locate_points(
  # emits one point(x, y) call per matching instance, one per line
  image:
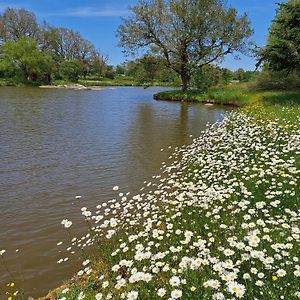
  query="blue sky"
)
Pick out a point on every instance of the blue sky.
point(97, 21)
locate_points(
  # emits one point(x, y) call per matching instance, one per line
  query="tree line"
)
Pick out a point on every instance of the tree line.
point(149, 69)
point(183, 42)
point(40, 52)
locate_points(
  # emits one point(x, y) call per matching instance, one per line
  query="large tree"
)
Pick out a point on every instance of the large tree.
point(282, 52)
point(188, 34)
point(65, 44)
point(25, 60)
point(16, 23)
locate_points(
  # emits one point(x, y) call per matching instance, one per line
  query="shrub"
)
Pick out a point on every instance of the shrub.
point(69, 70)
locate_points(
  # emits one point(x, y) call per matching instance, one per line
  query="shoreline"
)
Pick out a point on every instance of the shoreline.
point(233, 129)
point(191, 100)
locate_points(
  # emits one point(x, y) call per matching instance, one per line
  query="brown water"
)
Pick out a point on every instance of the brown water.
point(56, 144)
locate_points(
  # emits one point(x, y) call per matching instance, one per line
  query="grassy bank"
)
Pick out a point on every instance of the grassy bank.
point(118, 81)
point(235, 95)
point(122, 82)
point(220, 222)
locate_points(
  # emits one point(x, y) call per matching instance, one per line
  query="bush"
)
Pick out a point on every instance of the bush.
point(210, 75)
point(268, 80)
point(69, 70)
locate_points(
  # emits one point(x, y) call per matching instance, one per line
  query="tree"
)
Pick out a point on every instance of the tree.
point(239, 74)
point(17, 23)
point(66, 44)
point(210, 75)
point(148, 69)
point(98, 63)
point(24, 60)
point(145, 69)
point(187, 34)
point(282, 52)
point(69, 70)
point(109, 72)
point(120, 69)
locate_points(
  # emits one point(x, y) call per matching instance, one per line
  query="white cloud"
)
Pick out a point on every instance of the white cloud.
point(92, 12)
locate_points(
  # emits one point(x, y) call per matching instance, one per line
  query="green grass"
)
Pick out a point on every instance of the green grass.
point(235, 95)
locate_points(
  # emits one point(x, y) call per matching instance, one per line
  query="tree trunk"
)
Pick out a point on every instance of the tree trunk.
point(185, 78)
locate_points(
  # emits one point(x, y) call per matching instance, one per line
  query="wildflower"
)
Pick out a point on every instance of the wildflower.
point(86, 262)
point(174, 281)
point(64, 291)
point(132, 295)
point(161, 292)
point(98, 296)
point(259, 283)
point(281, 273)
point(236, 289)
point(175, 294)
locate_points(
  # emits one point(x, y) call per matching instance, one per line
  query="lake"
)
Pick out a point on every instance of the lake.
point(57, 144)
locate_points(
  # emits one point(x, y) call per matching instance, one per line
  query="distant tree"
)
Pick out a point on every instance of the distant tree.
point(120, 69)
point(149, 68)
point(16, 23)
point(65, 44)
point(187, 34)
point(25, 60)
point(110, 72)
point(226, 75)
point(210, 75)
point(98, 63)
point(239, 74)
point(69, 70)
point(282, 52)
point(145, 69)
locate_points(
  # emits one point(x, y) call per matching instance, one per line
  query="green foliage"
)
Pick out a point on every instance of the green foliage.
point(69, 70)
point(186, 34)
point(282, 52)
point(16, 23)
point(23, 59)
point(209, 76)
point(269, 80)
point(120, 69)
point(235, 94)
point(109, 72)
point(33, 52)
point(150, 69)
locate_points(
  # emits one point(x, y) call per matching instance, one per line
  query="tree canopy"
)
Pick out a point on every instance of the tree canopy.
point(282, 52)
point(187, 34)
point(26, 46)
point(17, 23)
point(24, 60)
